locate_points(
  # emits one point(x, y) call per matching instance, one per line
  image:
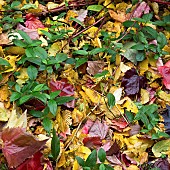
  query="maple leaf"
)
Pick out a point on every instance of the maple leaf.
point(32, 22)
point(19, 145)
point(99, 129)
point(132, 82)
point(165, 72)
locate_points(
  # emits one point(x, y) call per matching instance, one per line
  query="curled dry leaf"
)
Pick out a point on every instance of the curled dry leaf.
point(18, 145)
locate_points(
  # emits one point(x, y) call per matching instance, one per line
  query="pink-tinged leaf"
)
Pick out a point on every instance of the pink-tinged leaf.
point(32, 22)
point(95, 67)
point(165, 72)
point(119, 124)
point(107, 146)
point(90, 142)
point(135, 129)
point(18, 145)
point(66, 88)
point(162, 163)
point(87, 126)
point(127, 160)
point(32, 33)
point(114, 149)
point(35, 163)
point(143, 8)
point(99, 129)
point(113, 160)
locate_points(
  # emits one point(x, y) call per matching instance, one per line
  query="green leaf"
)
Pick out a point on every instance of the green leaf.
point(80, 52)
point(15, 96)
point(80, 161)
point(108, 167)
point(60, 57)
point(96, 51)
point(46, 33)
point(40, 52)
point(102, 154)
point(162, 41)
point(138, 46)
point(38, 114)
point(28, 6)
point(53, 95)
point(55, 145)
point(128, 23)
point(25, 36)
point(64, 99)
point(111, 100)
point(102, 167)
point(80, 61)
point(91, 160)
point(86, 168)
point(153, 33)
point(140, 56)
point(39, 87)
point(30, 53)
point(20, 43)
point(96, 8)
point(34, 60)
point(24, 99)
point(4, 62)
point(102, 74)
point(77, 21)
point(147, 17)
point(52, 106)
point(129, 116)
point(32, 72)
point(40, 96)
point(15, 4)
point(47, 124)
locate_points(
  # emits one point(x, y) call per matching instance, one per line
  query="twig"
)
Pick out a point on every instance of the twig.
point(161, 2)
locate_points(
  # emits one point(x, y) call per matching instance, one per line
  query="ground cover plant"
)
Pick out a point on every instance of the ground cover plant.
point(84, 85)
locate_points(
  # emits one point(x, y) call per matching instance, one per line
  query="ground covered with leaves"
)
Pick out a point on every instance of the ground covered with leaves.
point(84, 85)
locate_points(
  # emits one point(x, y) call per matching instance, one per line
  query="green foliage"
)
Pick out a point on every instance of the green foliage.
point(111, 100)
point(91, 161)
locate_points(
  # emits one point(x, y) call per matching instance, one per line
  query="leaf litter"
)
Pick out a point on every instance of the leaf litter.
point(76, 77)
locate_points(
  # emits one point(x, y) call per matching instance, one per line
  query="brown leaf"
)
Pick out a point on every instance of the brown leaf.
point(99, 129)
point(18, 145)
point(95, 67)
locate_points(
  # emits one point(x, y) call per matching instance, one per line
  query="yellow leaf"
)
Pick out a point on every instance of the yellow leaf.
point(144, 96)
point(143, 66)
point(23, 77)
point(91, 31)
point(119, 16)
point(129, 105)
point(124, 67)
point(4, 93)
point(62, 160)
point(15, 50)
point(132, 167)
point(155, 7)
point(55, 48)
point(108, 4)
point(117, 74)
point(164, 96)
point(93, 95)
point(4, 113)
point(143, 157)
point(17, 119)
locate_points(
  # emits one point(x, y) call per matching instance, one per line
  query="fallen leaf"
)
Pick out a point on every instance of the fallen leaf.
point(119, 124)
point(95, 67)
point(4, 113)
point(162, 163)
point(19, 145)
point(132, 83)
point(92, 142)
point(99, 129)
point(161, 147)
point(32, 22)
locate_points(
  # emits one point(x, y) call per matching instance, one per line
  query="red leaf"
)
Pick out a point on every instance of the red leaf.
point(36, 162)
point(66, 88)
point(119, 124)
point(165, 72)
point(90, 142)
point(87, 126)
point(32, 22)
point(19, 145)
point(99, 129)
